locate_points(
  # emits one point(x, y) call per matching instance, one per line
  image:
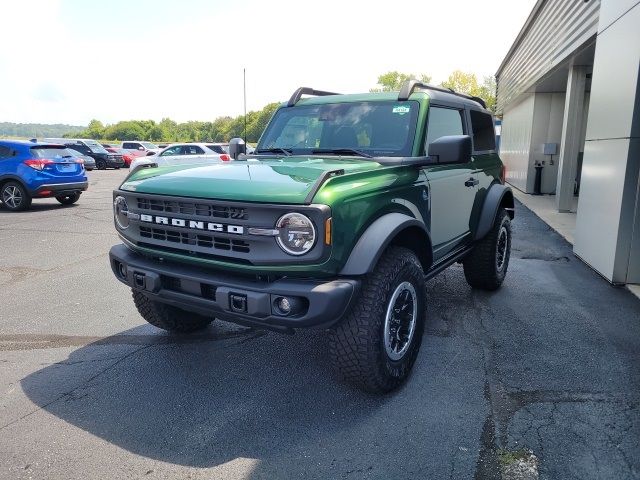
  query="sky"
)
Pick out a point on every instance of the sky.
point(70, 61)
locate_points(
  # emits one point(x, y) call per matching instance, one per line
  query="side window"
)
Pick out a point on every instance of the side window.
point(171, 151)
point(484, 134)
point(129, 146)
point(442, 122)
point(216, 148)
point(5, 152)
point(80, 147)
point(192, 150)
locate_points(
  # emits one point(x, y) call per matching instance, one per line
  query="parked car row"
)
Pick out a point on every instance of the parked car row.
point(55, 167)
point(183, 153)
point(103, 158)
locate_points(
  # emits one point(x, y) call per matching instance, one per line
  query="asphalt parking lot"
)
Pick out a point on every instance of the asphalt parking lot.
point(549, 363)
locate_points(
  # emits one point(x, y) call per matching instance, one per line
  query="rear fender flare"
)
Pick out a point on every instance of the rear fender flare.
point(497, 195)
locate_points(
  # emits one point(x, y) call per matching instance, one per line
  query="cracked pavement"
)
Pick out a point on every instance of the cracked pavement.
point(549, 363)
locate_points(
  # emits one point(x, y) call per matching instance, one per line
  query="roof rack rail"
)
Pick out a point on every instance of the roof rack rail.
point(307, 91)
point(410, 85)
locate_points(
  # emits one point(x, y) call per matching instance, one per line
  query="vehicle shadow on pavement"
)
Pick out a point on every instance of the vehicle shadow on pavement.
point(37, 207)
point(204, 401)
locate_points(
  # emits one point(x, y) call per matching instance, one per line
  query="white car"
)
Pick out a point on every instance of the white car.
point(186, 154)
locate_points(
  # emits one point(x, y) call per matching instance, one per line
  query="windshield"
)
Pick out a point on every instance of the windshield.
point(50, 151)
point(95, 147)
point(149, 145)
point(376, 128)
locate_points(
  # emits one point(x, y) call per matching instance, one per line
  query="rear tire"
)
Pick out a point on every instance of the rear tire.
point(101, 165)
point(68, 199)
point(167, 317)
point(486, 266)
point(377, 343)
point(15, 197)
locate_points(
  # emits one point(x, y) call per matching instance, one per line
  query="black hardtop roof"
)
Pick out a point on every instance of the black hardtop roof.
point(437, 94)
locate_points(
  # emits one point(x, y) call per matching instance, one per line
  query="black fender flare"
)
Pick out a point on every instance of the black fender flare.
point(492, 201)
point(370, 246)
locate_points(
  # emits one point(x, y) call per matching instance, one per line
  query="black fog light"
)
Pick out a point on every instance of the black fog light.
point(287, 306)
point(122, 270)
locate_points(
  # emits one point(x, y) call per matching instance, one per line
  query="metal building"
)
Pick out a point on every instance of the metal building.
point(569, 97)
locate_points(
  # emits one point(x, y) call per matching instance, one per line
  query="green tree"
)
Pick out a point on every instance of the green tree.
point(128, 130)
point(222, 129)
point(393, 81)
point(467, 83)
point(489, 92)
point(95, 129)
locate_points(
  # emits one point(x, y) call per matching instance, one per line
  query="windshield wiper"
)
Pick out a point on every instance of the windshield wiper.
point(338, 151)
point(286, 151)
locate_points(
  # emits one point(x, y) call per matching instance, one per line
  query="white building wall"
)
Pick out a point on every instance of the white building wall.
point(547, 128)
point(526, 128)
point(515, 144)
point(608, 204)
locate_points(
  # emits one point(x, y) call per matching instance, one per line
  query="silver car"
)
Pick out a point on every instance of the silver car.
point(186, 153)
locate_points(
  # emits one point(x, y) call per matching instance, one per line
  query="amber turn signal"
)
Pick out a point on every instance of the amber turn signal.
point(327, 231)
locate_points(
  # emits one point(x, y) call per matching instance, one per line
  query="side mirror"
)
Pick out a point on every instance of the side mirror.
point(451, 149)
point(236, 147)
point(140, 148)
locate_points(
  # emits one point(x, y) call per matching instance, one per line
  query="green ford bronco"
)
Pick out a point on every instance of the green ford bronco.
point(347, 206)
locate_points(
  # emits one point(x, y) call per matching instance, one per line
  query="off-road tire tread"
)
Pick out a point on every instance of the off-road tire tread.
point(167, 317)
point(479, 265)
point(354, 344)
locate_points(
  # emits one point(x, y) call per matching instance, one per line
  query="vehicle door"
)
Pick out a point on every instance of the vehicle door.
point(6, 154)
point(167, 156)
point(452, 186)
point(191, 154)
point(487, 165)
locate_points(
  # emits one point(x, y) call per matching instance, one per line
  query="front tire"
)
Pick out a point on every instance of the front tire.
point(15, 197)
point(101, 165)
point(167, 317)
point(68, 199)
point(486, 266)
point(377, 343)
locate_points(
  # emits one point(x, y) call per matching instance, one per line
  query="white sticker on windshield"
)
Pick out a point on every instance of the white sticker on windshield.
point(401, 109)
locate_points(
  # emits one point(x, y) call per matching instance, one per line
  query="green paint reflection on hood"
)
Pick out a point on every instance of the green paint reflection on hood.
point(282, 180)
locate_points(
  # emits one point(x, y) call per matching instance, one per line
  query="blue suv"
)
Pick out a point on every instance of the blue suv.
point(31, 170)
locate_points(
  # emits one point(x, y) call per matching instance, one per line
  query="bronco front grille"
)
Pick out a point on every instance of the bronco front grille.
point(196, 239)
point(191, 208)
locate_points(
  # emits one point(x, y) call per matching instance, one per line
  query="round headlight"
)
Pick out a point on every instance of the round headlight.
point(296, 233)
point(121, 212)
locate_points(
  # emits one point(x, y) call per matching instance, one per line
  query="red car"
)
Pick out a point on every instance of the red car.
point(127, 155)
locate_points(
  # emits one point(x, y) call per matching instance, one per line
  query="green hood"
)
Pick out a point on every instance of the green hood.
point(283, 180)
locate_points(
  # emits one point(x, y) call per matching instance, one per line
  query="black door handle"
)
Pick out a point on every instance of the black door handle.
point(472, 182)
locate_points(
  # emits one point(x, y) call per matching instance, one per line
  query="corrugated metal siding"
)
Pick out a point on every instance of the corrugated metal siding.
point(559, 28)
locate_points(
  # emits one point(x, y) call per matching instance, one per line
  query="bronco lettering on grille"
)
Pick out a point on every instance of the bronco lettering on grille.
point(194, 224)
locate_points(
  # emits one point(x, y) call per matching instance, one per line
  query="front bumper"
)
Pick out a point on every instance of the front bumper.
point(55, 189)
point(214, 293)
